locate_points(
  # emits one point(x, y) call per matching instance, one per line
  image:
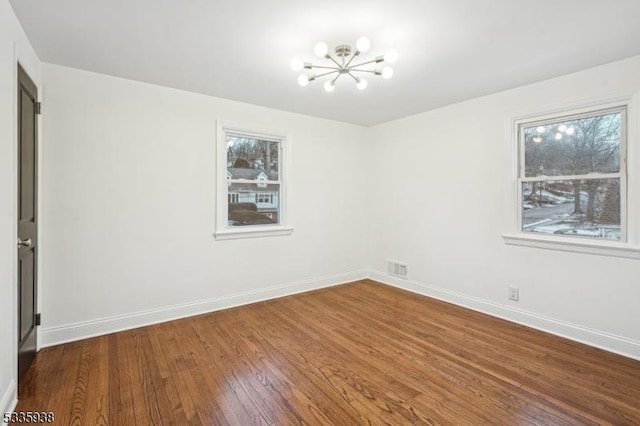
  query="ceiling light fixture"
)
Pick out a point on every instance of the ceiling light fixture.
point(341, 64)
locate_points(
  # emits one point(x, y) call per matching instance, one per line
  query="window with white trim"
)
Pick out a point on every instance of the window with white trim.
point(252, 188)
point(572, 175)
point(266, 198)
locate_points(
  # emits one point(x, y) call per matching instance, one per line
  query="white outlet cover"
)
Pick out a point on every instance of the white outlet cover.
point(514, 293)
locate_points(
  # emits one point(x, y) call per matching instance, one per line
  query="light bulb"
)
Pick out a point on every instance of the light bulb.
point(562, 128)
point(303, 80)
point(362, 84)
point(570, 131)
point(321, 49)
point(363, 44)
point(329, 86)
point(537, 139)
point(558, 136)
point(391, 56)
point(297, 64)
point(387, 72)
point(540, 129)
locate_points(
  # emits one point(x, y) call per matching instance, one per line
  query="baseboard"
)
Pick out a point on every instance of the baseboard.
point(9, 399)
point(609, 342)
point(71, 332)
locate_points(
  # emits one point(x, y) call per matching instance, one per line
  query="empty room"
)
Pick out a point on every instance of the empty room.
point(323, 213)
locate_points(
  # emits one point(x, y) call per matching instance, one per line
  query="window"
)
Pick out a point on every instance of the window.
point(572, 186)
point(572, 175)
point(264, 198)
point(251, 186)
point(262, 177)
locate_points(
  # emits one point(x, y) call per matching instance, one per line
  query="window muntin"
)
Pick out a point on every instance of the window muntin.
point(572, 175)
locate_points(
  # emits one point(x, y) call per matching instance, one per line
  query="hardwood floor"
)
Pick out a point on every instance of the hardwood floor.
point(361, 353)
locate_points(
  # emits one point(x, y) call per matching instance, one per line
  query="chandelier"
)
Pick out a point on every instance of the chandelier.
point(341, 64)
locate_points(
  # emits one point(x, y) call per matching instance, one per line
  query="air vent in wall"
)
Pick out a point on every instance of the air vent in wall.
point(397, 269)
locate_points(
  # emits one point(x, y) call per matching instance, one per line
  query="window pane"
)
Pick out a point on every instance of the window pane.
point(253, 175)
point(248, 157)
point(253, 205)
point(587, 208)
point(574, 146)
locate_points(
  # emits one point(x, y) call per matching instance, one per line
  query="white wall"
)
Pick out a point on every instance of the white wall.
point(443, 186)
point(14, 46)
point(128, 206)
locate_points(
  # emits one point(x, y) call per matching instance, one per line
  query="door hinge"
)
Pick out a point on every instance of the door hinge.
point(38, 319)
point(38, 108)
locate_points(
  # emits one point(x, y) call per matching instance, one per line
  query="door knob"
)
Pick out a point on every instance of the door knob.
point(25, 243)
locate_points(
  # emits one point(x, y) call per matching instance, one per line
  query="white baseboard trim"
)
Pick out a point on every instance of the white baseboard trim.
point(599, 339)
point(71, 332)
point(9, 399)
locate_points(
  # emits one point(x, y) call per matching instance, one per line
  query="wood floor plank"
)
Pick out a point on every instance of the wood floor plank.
point(97, 408)
point(361, 353)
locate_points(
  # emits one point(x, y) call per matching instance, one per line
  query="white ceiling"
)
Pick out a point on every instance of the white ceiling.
point(450, 50)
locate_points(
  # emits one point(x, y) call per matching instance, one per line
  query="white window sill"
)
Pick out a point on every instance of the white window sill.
point(602, 248)
point(252, 232)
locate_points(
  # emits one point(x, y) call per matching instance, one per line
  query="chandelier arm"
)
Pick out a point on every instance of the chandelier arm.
point(333, 60)
point(369, 71)
point(354, 77)
point(336, 79)
point(365, 63)
point(326, 73)
point(352, 58)
point(325, 67)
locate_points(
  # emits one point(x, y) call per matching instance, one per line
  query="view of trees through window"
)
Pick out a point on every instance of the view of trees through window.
point(571, 176)
point(253, 181)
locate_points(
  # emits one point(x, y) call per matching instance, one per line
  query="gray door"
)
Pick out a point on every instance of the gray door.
point(27, 220)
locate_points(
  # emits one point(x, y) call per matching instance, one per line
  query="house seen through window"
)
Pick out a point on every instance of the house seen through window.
point(253, 181)
point(572, 175)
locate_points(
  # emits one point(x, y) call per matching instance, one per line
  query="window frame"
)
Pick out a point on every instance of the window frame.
point(629, 245)
point(621, 174)
point(284, 227)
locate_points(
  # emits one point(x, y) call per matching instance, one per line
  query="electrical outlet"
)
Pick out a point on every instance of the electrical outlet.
point(397, 269)
point(514, 293)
